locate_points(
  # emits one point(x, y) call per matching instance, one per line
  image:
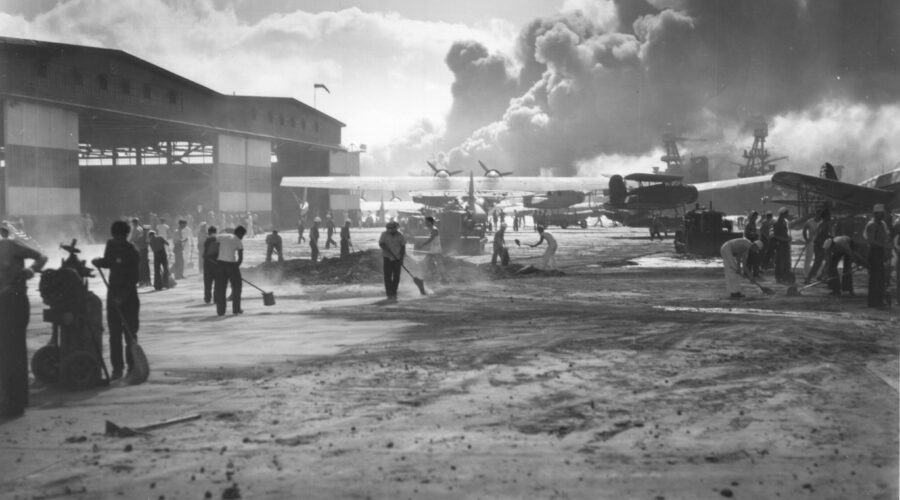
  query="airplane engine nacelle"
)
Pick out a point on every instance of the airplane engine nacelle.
point(617, 190)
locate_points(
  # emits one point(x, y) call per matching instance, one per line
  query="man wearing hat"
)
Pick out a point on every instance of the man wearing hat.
point(314, 240)
point(734, 258)
point(140, 239)
point(876, 234)
point(393, 250)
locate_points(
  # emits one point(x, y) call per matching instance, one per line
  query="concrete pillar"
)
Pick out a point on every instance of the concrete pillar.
point(42, 177)
point(244, 175)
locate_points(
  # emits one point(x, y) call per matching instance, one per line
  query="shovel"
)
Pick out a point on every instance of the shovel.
point(268, 297)
point(140, 370)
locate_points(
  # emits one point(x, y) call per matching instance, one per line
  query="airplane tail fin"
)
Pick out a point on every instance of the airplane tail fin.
point(617, 190)
point(472, 192)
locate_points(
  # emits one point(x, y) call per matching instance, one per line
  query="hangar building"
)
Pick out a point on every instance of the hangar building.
point(99, 131)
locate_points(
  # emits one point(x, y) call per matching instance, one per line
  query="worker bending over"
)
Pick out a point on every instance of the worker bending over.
point(549, 257)
point(734, 258)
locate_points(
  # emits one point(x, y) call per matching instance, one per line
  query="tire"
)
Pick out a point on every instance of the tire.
point(79, 371)
point(564, 225)
point(45, 364)
point(583, 224)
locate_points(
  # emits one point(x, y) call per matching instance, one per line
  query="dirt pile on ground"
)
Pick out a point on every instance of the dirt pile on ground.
point(358, 267)
point(366, 267)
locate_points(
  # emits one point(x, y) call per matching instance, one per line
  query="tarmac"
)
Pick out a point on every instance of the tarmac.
point(628, 375)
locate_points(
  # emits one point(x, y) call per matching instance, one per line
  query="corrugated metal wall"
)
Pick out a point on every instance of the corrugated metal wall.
point(244, 174)
point(42, 177)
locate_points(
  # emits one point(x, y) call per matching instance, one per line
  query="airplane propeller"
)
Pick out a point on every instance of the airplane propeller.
point(439, 171)
point(492, 172)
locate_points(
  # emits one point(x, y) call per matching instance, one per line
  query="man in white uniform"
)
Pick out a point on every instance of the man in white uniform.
point(228, 270)
point(734, 257)
point(549, 261)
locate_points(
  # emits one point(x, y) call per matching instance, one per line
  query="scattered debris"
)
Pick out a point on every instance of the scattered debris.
point(123, 431)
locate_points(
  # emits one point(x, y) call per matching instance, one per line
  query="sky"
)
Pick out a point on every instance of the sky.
point(558, 87)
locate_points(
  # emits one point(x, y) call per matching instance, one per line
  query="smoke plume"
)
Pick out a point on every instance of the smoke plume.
point(604, 83)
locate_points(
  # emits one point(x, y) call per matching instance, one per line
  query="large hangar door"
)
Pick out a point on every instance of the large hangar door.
point(244, 176)
point(41, 174)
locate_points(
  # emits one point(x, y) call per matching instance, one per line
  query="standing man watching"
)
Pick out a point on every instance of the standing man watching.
point(781, 238)
point(122, 260)
point(140, 239)
point(765, 235)
point(345, 240)
point(209, 254)
point(14, 315)
point(393, 251)
point(160, 260)
point(809, 236)
point(314, 240)
point(228, 270)
point(734, 257)
point(876, 234)
point(500, 247)
point(549, 261)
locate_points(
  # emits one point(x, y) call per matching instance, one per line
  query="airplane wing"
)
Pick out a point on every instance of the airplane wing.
point(840, 193)
point(505, 185)
point(729, 183)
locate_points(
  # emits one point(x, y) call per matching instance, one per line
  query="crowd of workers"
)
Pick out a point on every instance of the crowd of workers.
point(764, 245)
point(826, 245)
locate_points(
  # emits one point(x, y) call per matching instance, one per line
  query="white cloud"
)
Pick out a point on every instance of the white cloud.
point(383, 70)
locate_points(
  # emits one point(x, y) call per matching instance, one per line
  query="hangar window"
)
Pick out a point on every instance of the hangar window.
point(316, 126)
point(271, 117)
point(77, 77)
point(280, 119)
point(293, 122)
point(148, 93)
point(102, 81)
point(253, 113)
point(41, 69)
point(126, 87)
point(303, 124)
point(173, 97)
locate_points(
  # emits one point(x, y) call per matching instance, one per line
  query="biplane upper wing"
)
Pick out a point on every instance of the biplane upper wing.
point(839, 193)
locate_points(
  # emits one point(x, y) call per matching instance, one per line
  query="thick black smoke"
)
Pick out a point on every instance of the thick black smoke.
point(588, 87)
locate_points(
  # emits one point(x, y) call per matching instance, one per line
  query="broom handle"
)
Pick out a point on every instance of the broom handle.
point(251, 284)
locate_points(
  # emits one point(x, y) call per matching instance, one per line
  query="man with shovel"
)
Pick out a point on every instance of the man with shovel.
point(228, 270)
point(841, 249)
point(122, 302)
point(734, 257)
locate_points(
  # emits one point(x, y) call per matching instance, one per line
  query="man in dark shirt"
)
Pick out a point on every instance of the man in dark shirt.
point(160, 260)
point(122, 302)
point(345, 240)
point(781, 239)
point(14, 309)
point(209, 256)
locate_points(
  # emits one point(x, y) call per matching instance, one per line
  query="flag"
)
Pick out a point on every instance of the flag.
point(321, 86)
